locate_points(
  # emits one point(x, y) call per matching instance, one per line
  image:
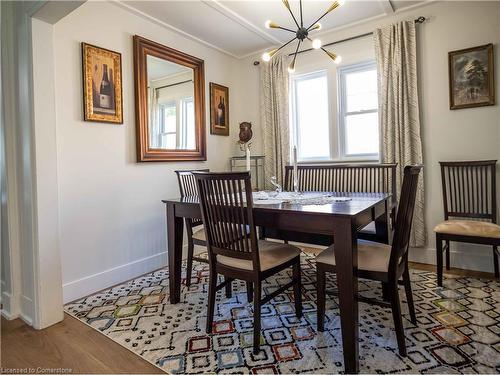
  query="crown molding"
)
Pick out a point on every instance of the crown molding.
point(155, 20)
point(242, 21)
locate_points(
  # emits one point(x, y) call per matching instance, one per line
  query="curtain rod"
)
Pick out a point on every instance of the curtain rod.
point(420, 19)
point(173, 84)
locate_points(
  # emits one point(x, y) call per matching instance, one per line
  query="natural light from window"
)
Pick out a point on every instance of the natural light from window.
point(311, 116)
point(359, 110)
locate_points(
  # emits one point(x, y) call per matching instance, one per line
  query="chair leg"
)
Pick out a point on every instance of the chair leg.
point(385, 292)
point(320, 298)
point(297, 293)
point(439, 255)
point(398, 320)
point(212, 284)
point(229, 286)
point(256, 317)
point(249, 291)
point(189, 266)
point(409, 295)
point(447, 255)
point(495, 261)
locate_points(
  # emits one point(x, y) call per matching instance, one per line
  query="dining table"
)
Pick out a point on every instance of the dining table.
point(340, 215)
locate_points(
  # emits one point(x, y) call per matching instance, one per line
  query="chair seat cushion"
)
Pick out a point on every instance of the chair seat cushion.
point(271, 254)
point(200, 234)
point(370, 228)
point(372, 256)
point(469, 228)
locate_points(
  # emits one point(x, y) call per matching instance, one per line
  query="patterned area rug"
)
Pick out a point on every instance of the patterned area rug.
point(458, 327)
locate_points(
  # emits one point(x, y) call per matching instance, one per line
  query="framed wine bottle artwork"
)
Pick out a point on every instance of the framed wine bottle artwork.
point(219, 109)
point(102, 85)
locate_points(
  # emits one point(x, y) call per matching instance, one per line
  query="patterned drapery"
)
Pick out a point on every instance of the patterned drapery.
point(275, 117)
point(396, 55)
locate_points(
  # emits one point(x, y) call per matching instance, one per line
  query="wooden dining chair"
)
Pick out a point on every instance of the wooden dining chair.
point(233, 248)
point(187, 187)
point(470, 209)
point(381, 262)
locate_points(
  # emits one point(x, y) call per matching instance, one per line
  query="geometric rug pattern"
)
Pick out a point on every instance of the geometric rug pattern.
point(458, 327)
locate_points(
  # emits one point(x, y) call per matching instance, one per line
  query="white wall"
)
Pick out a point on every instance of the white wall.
point(112, 221)
point(467, 134)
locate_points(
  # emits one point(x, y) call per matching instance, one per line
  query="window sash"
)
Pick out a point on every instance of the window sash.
point(295, 116)
point(343, 113)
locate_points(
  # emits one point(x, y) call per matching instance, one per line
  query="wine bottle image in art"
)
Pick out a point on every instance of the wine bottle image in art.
point(223, 119)
point(105, 90)
point(220, 113)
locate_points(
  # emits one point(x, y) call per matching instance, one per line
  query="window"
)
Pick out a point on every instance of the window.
point(310, 116)
point(177, 124)
point(358, 111)
point(353, 135)
point(168, 125)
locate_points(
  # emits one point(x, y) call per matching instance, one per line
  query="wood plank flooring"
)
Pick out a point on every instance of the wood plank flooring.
point(72, 344)
point(69, 344)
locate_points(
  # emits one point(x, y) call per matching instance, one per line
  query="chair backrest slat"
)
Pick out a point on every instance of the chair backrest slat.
point(346, 178)
point(227, 212)
point(187, 183)
point(404, 218)
point(187, 188)
point(469, 189)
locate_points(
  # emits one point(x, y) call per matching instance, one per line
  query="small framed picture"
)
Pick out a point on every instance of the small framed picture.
point(471, 77)
point(219, 109)
point(102, 85)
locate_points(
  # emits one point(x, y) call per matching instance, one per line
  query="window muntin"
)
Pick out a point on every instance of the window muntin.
point(358, 111)
point(311, 116)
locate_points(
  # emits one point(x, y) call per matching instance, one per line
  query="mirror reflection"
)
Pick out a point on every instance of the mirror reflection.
point(171, 121)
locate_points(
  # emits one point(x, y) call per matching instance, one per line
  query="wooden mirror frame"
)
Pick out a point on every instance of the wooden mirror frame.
point(142, 48)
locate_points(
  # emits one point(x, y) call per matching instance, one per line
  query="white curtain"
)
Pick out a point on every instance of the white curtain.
point(275, 116)
point(401, 143)
point(154, 121)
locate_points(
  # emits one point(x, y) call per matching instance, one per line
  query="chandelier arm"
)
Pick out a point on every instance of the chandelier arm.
point(284, 28)
point(297, 50)
point(319, 19)
point(301, 17)
point(291, 13)
point(286, 44)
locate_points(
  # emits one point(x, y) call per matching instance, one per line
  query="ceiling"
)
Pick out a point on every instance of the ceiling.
point(237, 27)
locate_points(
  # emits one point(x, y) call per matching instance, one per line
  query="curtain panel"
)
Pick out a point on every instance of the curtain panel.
point(400, 139)
point(275, 117)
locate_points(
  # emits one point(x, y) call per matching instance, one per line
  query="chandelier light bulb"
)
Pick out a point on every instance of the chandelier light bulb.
point(338, 60)
point(316, 44)
point(271, 25)
point(291, 67)
point(267, 56)
point(341, 2)
point(317, 26)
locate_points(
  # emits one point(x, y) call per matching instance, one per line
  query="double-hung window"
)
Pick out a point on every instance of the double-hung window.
point(310, 116)
point(352, 135)
point(358, 111)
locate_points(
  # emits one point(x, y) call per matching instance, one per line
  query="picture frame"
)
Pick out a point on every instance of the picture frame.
point(219, 109)
point(471, 77)
point(102, 85)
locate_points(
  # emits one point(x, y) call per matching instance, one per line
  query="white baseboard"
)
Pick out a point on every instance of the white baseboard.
point(27, 310)
point(90, 284)
point(6, 299)
point(467, 257)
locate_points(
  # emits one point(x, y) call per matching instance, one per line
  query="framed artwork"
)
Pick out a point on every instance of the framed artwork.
point(219, 109)
point(471, 77)
point(102, 85)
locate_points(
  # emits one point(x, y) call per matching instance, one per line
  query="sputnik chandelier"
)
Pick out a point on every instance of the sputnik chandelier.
point(301, 34)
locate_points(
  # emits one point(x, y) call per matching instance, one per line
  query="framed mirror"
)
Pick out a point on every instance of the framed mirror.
point(169, 103)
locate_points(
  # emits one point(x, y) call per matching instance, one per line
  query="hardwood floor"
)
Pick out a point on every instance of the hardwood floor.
point(73, 345)
point(68, 345)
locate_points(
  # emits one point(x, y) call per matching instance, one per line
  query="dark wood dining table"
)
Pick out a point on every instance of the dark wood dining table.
point(340, 219)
